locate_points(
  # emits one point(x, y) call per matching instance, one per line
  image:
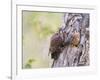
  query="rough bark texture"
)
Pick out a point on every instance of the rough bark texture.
point(71, 54)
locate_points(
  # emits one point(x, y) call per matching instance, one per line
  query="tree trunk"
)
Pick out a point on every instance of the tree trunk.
point(75, 55)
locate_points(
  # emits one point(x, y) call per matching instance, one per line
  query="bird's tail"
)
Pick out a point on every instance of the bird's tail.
point(52, 64)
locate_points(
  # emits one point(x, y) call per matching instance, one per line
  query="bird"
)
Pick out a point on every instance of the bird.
point(75, 39)
point(56, 45)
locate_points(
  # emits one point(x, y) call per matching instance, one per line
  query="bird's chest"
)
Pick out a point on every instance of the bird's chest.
point(75, 39)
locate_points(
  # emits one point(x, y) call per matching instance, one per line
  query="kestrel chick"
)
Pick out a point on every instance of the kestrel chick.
point(75, 38)
point(56, 45)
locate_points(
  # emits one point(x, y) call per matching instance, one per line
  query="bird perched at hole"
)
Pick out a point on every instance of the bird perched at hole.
point(56, 45)
point(75, 38)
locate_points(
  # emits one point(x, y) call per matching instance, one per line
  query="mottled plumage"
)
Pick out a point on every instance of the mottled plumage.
point(75, 38)
point(56, 45)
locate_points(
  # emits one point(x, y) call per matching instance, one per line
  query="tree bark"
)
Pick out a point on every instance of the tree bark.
point(75, 55)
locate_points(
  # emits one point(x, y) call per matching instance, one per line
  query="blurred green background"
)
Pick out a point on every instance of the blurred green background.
point(38, 27)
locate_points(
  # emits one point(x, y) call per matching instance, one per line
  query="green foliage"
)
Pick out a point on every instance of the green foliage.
point(29, 63)
point(28, 66)
point(42, 23)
